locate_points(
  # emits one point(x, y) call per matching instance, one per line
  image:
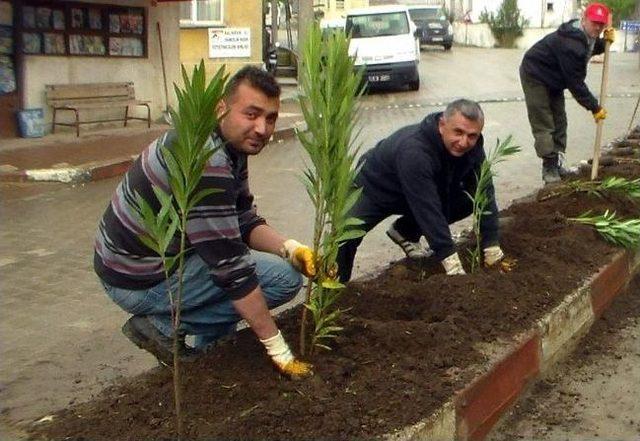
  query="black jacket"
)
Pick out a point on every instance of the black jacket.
point(412, 172)
point(559, 61)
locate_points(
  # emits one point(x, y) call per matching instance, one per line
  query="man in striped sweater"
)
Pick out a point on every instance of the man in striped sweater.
point(238, 267)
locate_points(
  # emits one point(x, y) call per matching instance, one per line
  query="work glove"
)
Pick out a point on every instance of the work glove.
point(283, 358)
point(300, 256)
point(452, 265)
point(492, 255)
point(610, 35)
point(600, 115)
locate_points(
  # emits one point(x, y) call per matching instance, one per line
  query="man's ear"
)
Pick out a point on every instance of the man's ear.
point(441, 124)
point(221, 108)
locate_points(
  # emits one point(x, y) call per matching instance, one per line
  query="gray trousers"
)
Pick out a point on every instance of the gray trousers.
point(547, 117)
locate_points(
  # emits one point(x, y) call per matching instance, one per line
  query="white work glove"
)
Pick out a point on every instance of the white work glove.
point(283, 358)
point(300, 256)
point(492, 255)
point(452, 265)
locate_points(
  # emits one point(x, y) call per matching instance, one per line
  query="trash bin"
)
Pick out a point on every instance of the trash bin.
point(31, 123)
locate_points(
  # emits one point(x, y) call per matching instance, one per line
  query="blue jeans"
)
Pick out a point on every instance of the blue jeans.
point(206, 311)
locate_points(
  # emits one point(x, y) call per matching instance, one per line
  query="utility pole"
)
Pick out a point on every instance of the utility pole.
point(274, 22)
point(305, 21)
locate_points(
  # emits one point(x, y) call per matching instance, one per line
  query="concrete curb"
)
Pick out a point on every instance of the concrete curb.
point(93, 171)
point(473, 411)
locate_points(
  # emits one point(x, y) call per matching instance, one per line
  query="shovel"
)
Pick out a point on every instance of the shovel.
point(166, 115)
point(603, 92)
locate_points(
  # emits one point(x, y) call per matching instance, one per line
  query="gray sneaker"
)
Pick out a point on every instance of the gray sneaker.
point(145, 335)
point(413, 250)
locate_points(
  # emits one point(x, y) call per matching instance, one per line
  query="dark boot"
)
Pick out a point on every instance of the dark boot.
point(145, 335)
point(550, 170)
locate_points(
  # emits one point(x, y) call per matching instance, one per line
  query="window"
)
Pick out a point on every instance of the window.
point(549, 6)
point(201, 12)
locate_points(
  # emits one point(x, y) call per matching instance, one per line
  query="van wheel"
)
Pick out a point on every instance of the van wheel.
point(447, 47)
point(415, 85)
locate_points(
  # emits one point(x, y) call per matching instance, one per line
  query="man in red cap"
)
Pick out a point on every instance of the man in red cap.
point(555, 63)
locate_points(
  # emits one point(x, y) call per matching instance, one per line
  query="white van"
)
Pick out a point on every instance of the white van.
point(384, 40)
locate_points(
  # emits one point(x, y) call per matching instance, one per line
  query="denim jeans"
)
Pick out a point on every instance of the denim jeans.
point(206, 311)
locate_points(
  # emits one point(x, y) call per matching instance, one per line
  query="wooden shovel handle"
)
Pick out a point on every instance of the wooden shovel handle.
point(603, 92)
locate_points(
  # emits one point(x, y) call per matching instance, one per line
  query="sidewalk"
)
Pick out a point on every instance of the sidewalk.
point(101, 153)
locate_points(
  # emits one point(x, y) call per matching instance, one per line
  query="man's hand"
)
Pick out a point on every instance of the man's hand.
point(300, 256)
point(600, 115)
point(492, 255)
point(609, 35)
point(452, 265)
point(283, 358)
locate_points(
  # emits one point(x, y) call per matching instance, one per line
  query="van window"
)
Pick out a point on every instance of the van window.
point(422, 14)
point(377, 25)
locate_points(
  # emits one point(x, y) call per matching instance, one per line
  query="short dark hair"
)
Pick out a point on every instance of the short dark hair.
point(256, 78)
point(468, 108)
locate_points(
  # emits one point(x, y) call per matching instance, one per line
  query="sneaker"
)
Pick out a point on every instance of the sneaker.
point(550, 170)
point(563, 170)
point(145, 335)
point(413, 250)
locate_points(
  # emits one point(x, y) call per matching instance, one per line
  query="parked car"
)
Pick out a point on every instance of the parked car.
point(384, 43)
point(433, 26)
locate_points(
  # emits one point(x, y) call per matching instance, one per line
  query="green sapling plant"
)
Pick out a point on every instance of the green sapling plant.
point(620, 232)
point(186, 157)
point(480, 198)
point(616, 185)
point(330, 88)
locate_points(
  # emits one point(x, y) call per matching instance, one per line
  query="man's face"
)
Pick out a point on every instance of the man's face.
point(592, 28)
point(459, 134)
point(250, 119)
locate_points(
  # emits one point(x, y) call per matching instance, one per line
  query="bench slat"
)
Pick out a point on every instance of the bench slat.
point(93, 96)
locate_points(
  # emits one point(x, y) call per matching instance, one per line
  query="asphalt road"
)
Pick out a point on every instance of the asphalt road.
point(61, 335)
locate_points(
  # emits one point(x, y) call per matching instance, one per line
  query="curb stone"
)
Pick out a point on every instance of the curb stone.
point(96, 170)
point(473, 411)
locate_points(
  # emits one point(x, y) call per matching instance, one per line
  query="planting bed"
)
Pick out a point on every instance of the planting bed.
point(412, 338)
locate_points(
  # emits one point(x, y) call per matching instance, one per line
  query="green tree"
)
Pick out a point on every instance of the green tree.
point(507, 25)
point(330, 87)
point(193, 122)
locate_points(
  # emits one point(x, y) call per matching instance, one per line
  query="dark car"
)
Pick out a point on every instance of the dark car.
point(433, 26)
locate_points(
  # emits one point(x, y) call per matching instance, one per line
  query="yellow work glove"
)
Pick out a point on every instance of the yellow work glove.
point(453, 266)
point(283, 358)
point(600, 115)
point(610, 35)
point(492, 255)
point(300, 256)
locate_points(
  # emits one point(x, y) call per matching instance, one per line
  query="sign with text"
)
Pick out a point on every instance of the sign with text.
point(229, 42)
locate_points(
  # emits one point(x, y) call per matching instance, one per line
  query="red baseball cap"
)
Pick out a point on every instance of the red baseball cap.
point(597, 12)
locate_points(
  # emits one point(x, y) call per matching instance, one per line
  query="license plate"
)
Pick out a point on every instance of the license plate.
point(436, 39)
point(378, 78)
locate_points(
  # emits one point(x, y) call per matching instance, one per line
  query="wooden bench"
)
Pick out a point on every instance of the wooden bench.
point(76, 97)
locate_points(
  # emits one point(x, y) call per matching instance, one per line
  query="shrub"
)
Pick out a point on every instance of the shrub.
point(507, 24)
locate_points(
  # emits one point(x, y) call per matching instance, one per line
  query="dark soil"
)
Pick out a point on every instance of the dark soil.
point(410, 337)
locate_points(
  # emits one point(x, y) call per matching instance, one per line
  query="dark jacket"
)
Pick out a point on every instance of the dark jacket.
point(559, 61)
point(412, 172)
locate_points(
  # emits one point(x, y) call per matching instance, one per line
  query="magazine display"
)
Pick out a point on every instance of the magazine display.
point(78, 28)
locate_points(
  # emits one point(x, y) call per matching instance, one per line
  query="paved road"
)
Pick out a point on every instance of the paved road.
point(61, 339)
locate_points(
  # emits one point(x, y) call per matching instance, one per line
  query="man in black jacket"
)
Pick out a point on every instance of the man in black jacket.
point(422, 172)
point(557, 62)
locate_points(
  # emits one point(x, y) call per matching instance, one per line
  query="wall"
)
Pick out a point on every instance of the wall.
point(194, 41)
point(146, 73)
point(534, 10)
point(480, 35)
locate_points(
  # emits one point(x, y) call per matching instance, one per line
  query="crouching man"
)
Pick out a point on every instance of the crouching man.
point(238, 268)
point(422, 172)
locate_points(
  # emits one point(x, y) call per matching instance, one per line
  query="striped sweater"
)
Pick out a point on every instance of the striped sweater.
point(217, 228)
